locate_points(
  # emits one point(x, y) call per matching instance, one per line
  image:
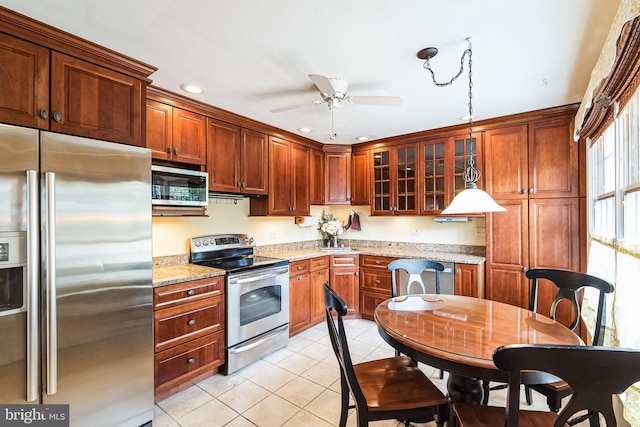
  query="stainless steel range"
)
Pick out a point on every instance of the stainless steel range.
point(257, 296)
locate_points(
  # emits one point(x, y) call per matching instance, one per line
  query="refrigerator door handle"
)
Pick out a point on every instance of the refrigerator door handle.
point(33, 245)
point(50, 284)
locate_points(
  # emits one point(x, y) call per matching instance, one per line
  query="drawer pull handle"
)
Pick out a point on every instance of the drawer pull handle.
point(378, 262)
point(191, 292)
point(378, 281)
point(299, 267)
point(191, 322)
point(321, 263)
point(300, 277)
point(191, 361)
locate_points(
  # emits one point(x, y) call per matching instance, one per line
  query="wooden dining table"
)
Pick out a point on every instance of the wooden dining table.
point(459, 335)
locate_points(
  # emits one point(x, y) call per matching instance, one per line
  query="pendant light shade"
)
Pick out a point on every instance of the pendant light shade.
point(472, 200)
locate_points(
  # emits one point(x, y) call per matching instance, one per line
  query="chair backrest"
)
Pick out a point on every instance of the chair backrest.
point(338, 337)
point(414, 267)
point(593, 373)
point(568, 284)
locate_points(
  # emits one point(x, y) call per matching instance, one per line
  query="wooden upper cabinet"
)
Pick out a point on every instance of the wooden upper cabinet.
point(360, 178)
point(175, 134)
point(506, 162)
point(24, 83)
point(95, 102)
point(337, 184)
point(189, 137)
point(288, 181)
point(395, 180)
point(535, 161)
point(316, 177)
point(254, 162)
point(553, 159)
point(223, 156)
point(237, 159)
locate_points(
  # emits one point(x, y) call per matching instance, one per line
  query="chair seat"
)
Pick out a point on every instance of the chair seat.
point(558, 387)
point(396, 384)
point(470, 415)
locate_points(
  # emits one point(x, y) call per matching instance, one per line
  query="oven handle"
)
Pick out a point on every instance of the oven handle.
point(267, 275)
point(253, 344)
point(446, 270)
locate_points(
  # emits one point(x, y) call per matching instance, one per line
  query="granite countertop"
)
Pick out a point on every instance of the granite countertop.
point(395, 252)
point(173, 269)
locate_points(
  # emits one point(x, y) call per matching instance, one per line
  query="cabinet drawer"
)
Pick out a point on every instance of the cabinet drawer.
point(344, 260)
point(375, 281)
point(190, 359)
point(368, 303)
point(297, 268)
point(177, 325)
point(373, 261)
point(319, 263)
point(193, 290)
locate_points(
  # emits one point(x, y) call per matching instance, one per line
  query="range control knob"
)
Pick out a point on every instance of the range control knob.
point(196, 244)
point(251, 240)
point(213, 242)
point(205, 242)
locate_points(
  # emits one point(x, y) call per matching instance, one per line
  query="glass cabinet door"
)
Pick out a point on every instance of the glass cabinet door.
point(406, 192)
point(381, 181)
point(433, 190)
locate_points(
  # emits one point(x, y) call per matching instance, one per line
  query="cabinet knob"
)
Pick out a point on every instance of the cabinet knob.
point(191, 292)
point(44, 114)
point(378, 262)
point(191, 322)
point(320, 262)
point(239, 184)
point(300, 277)
point(299, 267)
point(532, 190)
point(357, 274)
point(457, 270)
point(57, 116)
point(244, 185)
point(525, 191)
point(377, 281)
point(175, 151)
point(170, 150)
point(191, 361)
point(525, 269)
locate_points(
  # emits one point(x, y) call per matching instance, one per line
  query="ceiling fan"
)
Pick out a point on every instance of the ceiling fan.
point(333, 92)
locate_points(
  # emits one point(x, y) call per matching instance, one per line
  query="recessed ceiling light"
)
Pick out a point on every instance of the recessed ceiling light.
point(192, 88)
point(305, 130)
point(362, 138)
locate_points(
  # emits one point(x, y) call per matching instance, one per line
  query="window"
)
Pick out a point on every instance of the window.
point(614, 232)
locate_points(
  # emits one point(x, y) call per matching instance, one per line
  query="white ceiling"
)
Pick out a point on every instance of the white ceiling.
point(253, 56)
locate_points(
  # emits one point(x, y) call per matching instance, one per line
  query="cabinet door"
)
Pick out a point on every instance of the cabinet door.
point(316, 178)
point(506, 162)
point(469, 280)
point(318, 279)
point(381, 182)
point(189, 137)
point(24, 73)
point(553, 159)
point(159, 129)
point(94, 102)
point(254, 155)
point(462, 148)
point(346, 284)
point(337, 182)
point(299, 179)
point(223, 156)
point(404, 176)
point(360, 178)
point(508, 253)
point(436, 175)
point(279, 178)
point(299, 303)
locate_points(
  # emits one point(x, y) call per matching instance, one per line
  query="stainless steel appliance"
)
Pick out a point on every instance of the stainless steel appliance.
point(447, 280)
point(76, 312)
point(179, 187)
point(257, 296)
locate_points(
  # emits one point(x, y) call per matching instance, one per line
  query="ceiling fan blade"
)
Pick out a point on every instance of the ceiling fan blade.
point(389, 101)
point(323, 83)
point(290, 107)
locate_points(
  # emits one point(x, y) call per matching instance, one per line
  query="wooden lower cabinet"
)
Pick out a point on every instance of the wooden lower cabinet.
point(469, 280)
point(306, 292)
point(344, 280)
point(375, 283)
point(319, 275)
point(189, 322)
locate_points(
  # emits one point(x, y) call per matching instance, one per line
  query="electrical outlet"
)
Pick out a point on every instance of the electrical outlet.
point(272, 235)
point(481, 232)
point(415, 231)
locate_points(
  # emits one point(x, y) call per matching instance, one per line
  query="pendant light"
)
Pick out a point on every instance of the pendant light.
point(471, 199)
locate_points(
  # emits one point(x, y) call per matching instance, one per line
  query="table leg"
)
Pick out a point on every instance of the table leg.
point(464, 389)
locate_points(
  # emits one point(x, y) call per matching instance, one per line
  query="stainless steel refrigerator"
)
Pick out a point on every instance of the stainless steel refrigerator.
point(75, 276)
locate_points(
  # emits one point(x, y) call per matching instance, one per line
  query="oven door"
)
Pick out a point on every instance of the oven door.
point(257, 302)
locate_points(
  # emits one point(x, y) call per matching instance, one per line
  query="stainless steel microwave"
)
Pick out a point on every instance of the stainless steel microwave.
point(178, 187)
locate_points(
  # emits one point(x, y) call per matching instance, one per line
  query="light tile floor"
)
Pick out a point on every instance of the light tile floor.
point(298, 385)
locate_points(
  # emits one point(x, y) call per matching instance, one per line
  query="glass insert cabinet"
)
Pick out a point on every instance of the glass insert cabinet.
point(395, 182)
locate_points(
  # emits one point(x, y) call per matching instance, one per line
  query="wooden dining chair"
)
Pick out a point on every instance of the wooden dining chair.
point(392, 388)
point(414, 268)
point(594, 374)
point(569, 284)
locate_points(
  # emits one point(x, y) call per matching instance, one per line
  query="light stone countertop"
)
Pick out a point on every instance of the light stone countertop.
point(172, 274)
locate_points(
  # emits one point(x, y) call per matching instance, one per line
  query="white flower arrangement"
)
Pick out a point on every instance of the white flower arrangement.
point(329, 225)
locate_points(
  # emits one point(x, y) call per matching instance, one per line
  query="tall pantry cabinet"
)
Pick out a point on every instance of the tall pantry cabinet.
point(532, 170)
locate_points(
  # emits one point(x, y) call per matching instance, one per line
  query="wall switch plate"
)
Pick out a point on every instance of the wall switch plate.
point(272, 235)
point(415, 231)
point(481, 232)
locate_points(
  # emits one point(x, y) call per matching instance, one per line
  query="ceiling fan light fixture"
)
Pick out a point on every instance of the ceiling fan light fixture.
point(192, 88)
